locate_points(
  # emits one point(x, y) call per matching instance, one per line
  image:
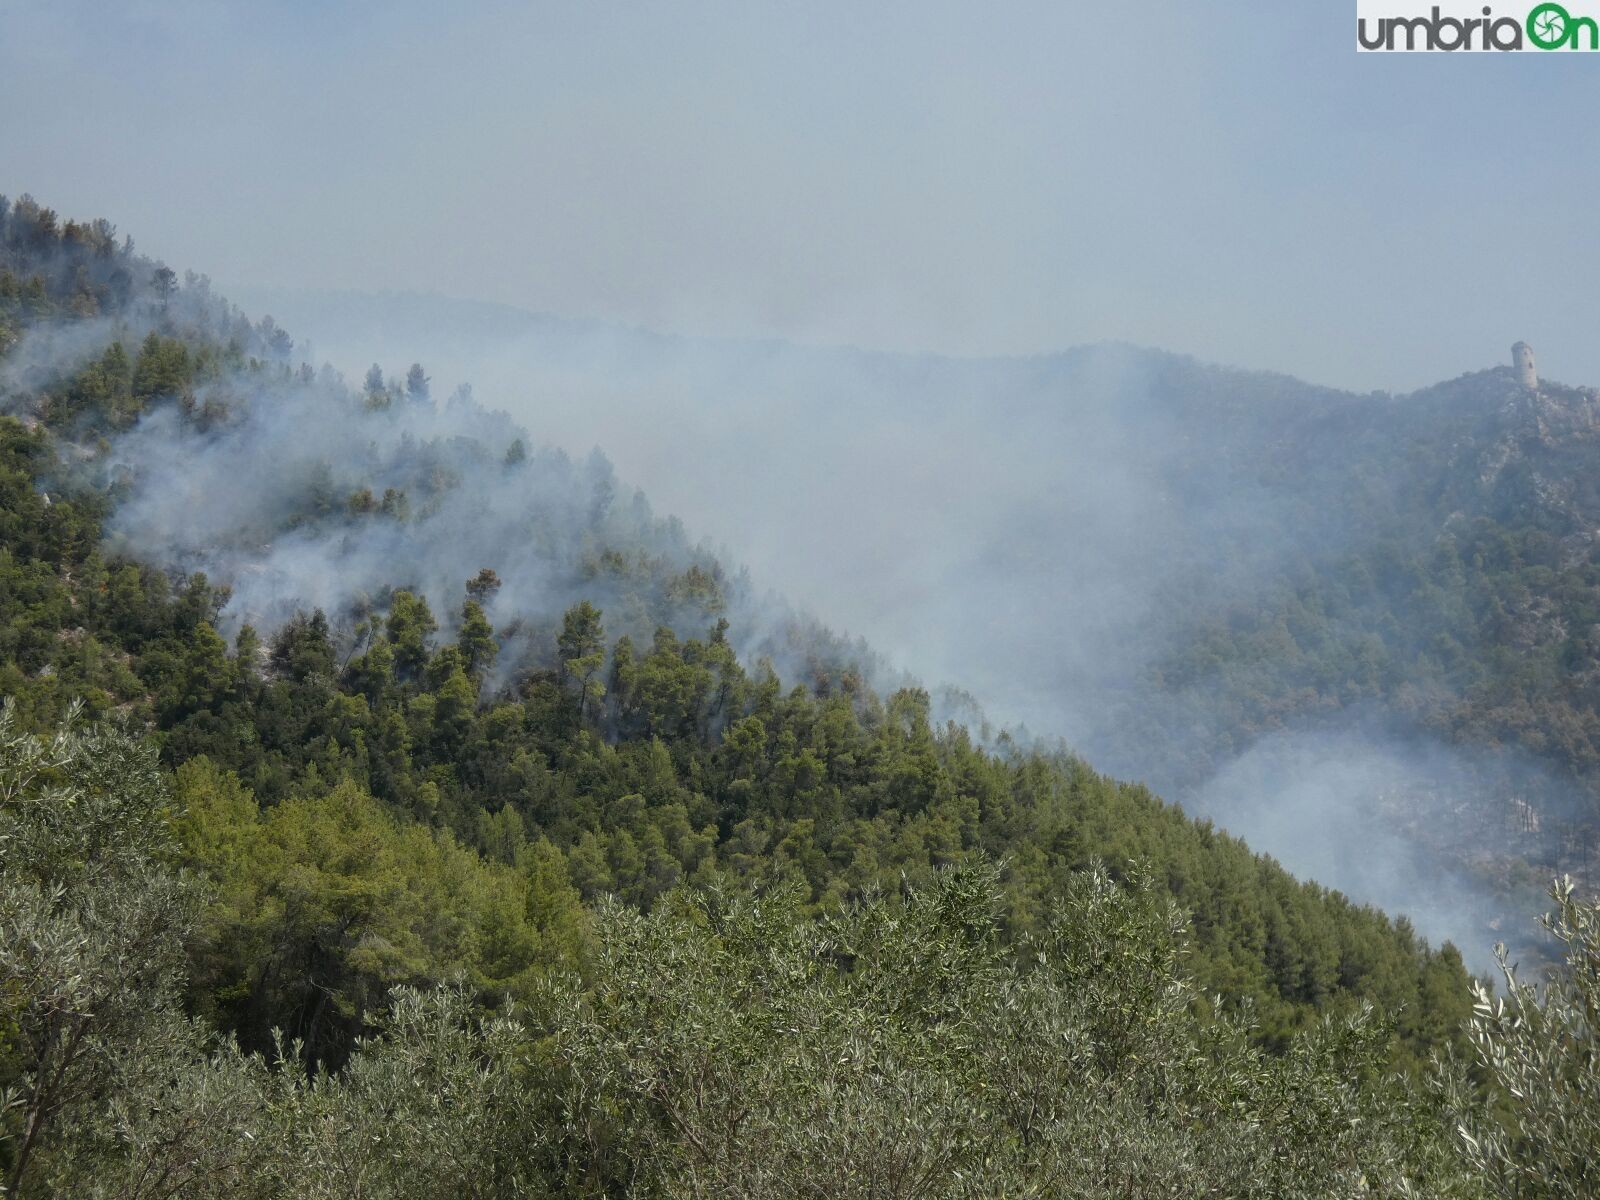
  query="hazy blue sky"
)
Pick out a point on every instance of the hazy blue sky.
point(1229, 179)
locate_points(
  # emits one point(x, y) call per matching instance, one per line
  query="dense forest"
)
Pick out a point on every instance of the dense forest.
point(1235, 586)
point(1418, 571)
point(555, 863)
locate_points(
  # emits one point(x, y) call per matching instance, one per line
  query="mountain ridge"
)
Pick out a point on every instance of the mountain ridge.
point(641, 761)
point(1196, 510)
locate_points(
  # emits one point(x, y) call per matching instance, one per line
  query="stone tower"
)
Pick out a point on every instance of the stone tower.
point(1522, 360)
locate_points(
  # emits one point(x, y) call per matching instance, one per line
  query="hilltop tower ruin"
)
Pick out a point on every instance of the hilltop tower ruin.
point(1522, 361)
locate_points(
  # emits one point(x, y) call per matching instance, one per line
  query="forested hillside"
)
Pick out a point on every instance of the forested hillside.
point(1434, 589)
point(658, 877)
point(1288, 607)
point(638, 762)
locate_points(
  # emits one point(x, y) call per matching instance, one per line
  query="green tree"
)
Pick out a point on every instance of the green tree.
point(410, 627)
point(1541, 1053)
point(417, 383)
point(581, 648)
point(476, 640)
point(483, 586)
point(92, 934)
point(164, 281)
point(729, 1045)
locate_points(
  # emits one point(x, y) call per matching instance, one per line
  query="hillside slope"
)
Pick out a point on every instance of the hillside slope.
point(1349, 627)
point(380, 800)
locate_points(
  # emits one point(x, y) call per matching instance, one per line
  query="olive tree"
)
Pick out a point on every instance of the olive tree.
point(1541, 1052)
point(92, 930)
point(731, 1045)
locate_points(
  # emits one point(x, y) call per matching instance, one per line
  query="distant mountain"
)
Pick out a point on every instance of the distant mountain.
point(1355, 629)
point(427, 688)
point(1312, 614)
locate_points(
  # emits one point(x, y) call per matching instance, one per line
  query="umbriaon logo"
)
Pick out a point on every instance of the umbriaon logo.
point(1457, 26)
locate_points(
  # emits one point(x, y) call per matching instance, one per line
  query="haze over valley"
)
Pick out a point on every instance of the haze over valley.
point(1059, 537)
point(713, 601)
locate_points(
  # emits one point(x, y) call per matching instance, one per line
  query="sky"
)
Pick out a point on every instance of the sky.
point(1230, 180)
